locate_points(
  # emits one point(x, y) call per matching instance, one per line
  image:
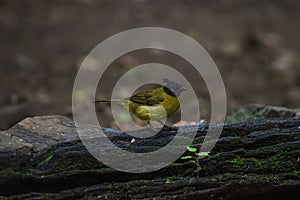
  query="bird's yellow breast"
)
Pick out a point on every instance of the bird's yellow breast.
point(167, 106)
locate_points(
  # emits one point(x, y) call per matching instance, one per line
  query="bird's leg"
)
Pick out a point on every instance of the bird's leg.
point(161, 122)
point(151, 127)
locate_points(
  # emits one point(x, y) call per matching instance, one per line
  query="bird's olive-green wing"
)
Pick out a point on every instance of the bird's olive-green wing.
point(149, 98)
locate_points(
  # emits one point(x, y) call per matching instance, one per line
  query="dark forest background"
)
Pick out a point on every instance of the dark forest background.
point(255, 44)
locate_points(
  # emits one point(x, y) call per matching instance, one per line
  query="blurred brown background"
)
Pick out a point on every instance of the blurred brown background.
point(255, 44)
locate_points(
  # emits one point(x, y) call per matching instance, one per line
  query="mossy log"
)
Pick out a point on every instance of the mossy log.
point(43, 157)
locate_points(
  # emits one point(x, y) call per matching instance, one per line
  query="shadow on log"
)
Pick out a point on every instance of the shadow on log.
point(43, 157)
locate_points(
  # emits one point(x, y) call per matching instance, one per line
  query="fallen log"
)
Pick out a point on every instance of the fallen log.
point(43, 157)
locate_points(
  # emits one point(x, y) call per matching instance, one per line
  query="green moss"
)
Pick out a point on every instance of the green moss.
point(262, 178)
point(238, 162)
point(278, 162)
point(66, 164)
point(251, 178)
point(294, 174)
point(14, 171)
point(47, 158)
point(272, 163)
point(7, 172)
point(256, 111)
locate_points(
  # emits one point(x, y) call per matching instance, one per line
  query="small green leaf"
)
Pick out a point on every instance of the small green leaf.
point(187, 157)
point(200, 154)
point(191, 149)
point(192, 161)
point(168, 181)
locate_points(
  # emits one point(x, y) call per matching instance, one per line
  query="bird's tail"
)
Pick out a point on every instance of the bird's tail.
point(111, 101)
point(122, 102)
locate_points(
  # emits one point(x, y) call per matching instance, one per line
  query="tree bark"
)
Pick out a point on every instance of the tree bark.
point(43, 157)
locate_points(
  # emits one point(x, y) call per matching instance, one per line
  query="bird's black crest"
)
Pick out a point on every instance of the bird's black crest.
point(169, 92)
point(173, 87)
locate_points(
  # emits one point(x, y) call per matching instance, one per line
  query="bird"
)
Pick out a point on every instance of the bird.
point(152, 105)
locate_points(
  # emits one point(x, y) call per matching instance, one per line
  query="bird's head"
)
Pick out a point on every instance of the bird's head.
point(176, 88)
